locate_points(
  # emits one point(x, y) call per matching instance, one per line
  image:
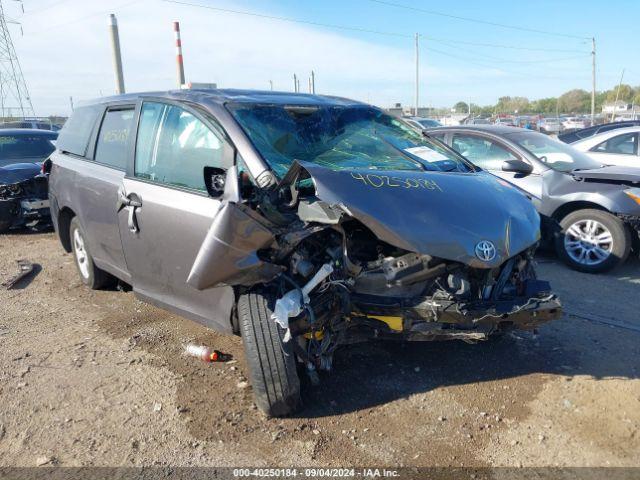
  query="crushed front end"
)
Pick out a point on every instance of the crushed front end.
point(346, 262)
point(23, 201)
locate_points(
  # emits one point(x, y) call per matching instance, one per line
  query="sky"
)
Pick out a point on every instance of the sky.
point(64, 47)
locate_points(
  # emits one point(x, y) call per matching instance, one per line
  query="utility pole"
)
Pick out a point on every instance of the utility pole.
point(115, 50)
point(313, 82)
point(13, 89)
point(71, 103)
point(593, 80)
point(271, 85)
point(179, 59)
point(295, 83)
point(310, 87)
point(617, 94)
point(417, 76)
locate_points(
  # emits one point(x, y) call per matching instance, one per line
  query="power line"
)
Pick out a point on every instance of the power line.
point(44, 9)
point(362, 30)
point(511, 47)
point(365, 30)
point(292, 20)
point(523, 62)
point(475, 20)
point(103, 12)
point(473, 61)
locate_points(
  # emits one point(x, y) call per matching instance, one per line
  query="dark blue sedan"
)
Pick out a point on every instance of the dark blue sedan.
point(23, 186)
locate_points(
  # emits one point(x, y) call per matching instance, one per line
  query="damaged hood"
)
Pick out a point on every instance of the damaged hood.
point(442, 214)
point(18, 172)
point(612, 173)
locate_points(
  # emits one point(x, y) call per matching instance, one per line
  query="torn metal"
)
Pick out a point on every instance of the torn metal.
point(25, 268)
point(353, 255)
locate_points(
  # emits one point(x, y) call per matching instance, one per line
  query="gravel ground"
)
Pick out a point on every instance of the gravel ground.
point(98, 378)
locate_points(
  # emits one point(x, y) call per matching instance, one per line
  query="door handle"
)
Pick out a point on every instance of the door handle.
point(125, 200)
point(132, 221)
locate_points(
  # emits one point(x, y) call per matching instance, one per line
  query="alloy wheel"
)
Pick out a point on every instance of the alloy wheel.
point(588, 242)
point(82, 257)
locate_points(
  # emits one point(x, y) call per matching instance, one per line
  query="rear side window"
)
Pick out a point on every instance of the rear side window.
point(74, 136)
point(113, 139)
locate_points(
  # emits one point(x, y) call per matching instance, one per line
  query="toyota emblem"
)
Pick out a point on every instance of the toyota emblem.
point(485, 250)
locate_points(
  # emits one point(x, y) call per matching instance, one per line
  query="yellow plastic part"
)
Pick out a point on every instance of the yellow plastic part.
point(319, 335)
point(394, 323)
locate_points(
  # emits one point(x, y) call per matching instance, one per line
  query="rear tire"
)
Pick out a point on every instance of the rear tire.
point(271, 362)
point(576, 246)
point(92, 276)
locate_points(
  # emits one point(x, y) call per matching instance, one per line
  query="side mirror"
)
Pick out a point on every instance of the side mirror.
point(215, 180)
point(517, 166)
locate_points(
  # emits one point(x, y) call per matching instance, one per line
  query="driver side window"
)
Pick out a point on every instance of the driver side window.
point(174, 146)
point(481, 151)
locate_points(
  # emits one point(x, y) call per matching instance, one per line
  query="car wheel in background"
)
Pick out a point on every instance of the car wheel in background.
point(271, 361)
point(592, 241)
point(90, 275)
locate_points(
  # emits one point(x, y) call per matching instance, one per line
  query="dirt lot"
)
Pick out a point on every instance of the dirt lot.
point(97, 378)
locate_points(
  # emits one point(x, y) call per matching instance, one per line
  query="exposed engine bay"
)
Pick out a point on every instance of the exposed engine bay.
point(335, 281)
point(23, 202)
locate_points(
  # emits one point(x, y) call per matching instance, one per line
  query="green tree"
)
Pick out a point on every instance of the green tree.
point(461, 107)
point(626, 93)
point(575, 101)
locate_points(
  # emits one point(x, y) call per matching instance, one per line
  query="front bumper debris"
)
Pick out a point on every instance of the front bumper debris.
point(450, 320)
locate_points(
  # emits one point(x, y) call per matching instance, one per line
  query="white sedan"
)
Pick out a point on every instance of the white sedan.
point(614, 147)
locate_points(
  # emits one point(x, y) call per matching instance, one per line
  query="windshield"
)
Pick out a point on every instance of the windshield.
point(340, 137)
point(429, 123)
point(14, 147)
point(552, 153)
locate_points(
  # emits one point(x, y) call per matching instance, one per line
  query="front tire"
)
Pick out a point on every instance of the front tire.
point(271, 362)
point(592, 241)
point(90, 275)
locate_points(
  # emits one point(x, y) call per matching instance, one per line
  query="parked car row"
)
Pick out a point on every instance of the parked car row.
point(590, 211)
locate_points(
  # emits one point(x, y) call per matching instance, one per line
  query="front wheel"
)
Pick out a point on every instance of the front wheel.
point(271, 362)
point(593, 241)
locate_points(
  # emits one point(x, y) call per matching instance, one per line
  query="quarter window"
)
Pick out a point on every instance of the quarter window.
point(626, 144)
point(74, 136)
point(174, 146)
point(113, 140)
point(483, 152)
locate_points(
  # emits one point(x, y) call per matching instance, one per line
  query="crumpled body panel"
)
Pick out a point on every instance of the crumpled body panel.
point(228, 255)
point(442, 214)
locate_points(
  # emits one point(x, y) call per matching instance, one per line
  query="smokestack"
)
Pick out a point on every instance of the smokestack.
point(180, 64)
point(115, 50)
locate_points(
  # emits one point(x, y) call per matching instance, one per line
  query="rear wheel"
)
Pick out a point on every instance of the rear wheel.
point(271, 362)
point(91, 276)
point(593, 241)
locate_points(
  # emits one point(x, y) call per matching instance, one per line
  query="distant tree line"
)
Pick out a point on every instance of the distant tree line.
point(574, 101)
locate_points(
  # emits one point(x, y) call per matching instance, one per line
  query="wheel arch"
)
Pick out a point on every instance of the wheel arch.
point(570, 207)
point(64, 222)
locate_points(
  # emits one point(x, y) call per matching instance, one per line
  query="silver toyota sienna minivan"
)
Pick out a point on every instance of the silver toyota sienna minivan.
point(300, 222)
